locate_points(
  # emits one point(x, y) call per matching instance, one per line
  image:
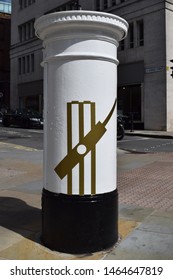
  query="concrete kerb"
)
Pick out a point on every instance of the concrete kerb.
point(152, 134)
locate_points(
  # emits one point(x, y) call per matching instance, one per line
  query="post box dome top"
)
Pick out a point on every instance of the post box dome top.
point(49, 24)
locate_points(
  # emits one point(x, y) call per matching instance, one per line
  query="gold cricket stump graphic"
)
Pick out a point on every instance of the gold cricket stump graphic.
point(87, 143)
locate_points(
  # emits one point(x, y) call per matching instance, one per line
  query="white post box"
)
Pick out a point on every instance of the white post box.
point(79, 200)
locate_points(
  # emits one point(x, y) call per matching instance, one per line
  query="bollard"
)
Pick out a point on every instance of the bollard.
point(80, 199)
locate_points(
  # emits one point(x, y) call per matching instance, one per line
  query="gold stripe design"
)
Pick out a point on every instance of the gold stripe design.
point(93, 153)
point(81, 136)
point(69, 146)
point(81, 161)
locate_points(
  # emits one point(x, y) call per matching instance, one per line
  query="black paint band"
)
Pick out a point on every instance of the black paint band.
point(79, 224)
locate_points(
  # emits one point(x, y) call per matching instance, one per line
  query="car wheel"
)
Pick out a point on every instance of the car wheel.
point(26, 123)
point(120, 133)
point(6, 123)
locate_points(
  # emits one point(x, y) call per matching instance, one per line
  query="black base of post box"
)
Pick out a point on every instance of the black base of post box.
point(79, 224)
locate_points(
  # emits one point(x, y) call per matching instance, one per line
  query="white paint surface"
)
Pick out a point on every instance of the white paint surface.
point(80, 64)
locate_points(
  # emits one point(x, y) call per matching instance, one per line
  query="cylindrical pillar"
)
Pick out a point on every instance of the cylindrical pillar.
point(79, 200)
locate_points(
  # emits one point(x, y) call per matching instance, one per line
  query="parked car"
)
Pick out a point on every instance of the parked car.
point(120, 128)
point(126, 120)
point(1, 116)
point(23, 118)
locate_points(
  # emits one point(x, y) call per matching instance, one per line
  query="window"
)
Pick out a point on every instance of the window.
point(113, 2)
point(30, 2)
point(5, 7)
point(23, 65)
point(19, 66)
point(26, 31)
point(26, 64)
point(131, 35)
point(20, 4)
point(98, 5)
point(121, 45)
point(105, 4)
point(70, 5)
point(135, 36)
point(32, 62)
point(140, 34)
point(25, 3)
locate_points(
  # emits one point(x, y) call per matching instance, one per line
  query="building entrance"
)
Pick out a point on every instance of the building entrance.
point(130, 102)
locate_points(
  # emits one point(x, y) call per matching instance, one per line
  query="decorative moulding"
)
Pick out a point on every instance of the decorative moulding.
point(109, 22)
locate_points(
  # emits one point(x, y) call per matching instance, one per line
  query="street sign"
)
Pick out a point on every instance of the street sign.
point(154, 69)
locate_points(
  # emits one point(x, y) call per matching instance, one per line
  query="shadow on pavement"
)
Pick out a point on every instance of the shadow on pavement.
point(16, 215)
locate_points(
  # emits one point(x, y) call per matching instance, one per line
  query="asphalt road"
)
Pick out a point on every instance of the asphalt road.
point(33, 138)
point(145, 144)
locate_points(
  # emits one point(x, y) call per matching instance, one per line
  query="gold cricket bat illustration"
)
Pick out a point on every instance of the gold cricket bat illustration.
point(89, 141)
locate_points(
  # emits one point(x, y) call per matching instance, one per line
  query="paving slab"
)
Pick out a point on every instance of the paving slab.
point(160, 222)
point(34, 187)
point(133, 212)
point(27, 245)
point(144, 245)
point(151, 239)
point(8, 238)
point(27, 250)
point(20, 199)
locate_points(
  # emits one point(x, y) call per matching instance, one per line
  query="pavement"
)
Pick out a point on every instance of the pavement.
point(145, 206)
point(150, 133)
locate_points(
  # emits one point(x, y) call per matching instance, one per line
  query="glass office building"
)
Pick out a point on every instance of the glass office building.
point(5, 6)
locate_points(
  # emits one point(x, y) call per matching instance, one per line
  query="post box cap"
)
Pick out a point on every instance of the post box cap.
point(50, 24)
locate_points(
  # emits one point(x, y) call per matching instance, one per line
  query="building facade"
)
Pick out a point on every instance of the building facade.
point(26, 50)
point(5, 28)
point(145, 86)
point(144, 83)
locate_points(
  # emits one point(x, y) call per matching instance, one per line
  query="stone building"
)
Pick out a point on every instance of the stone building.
point(5, 19)
point(144, 83)
point(145, 86)
point(26, 50)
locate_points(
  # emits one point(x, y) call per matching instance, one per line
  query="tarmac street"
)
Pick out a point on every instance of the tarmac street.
point(145, 206)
